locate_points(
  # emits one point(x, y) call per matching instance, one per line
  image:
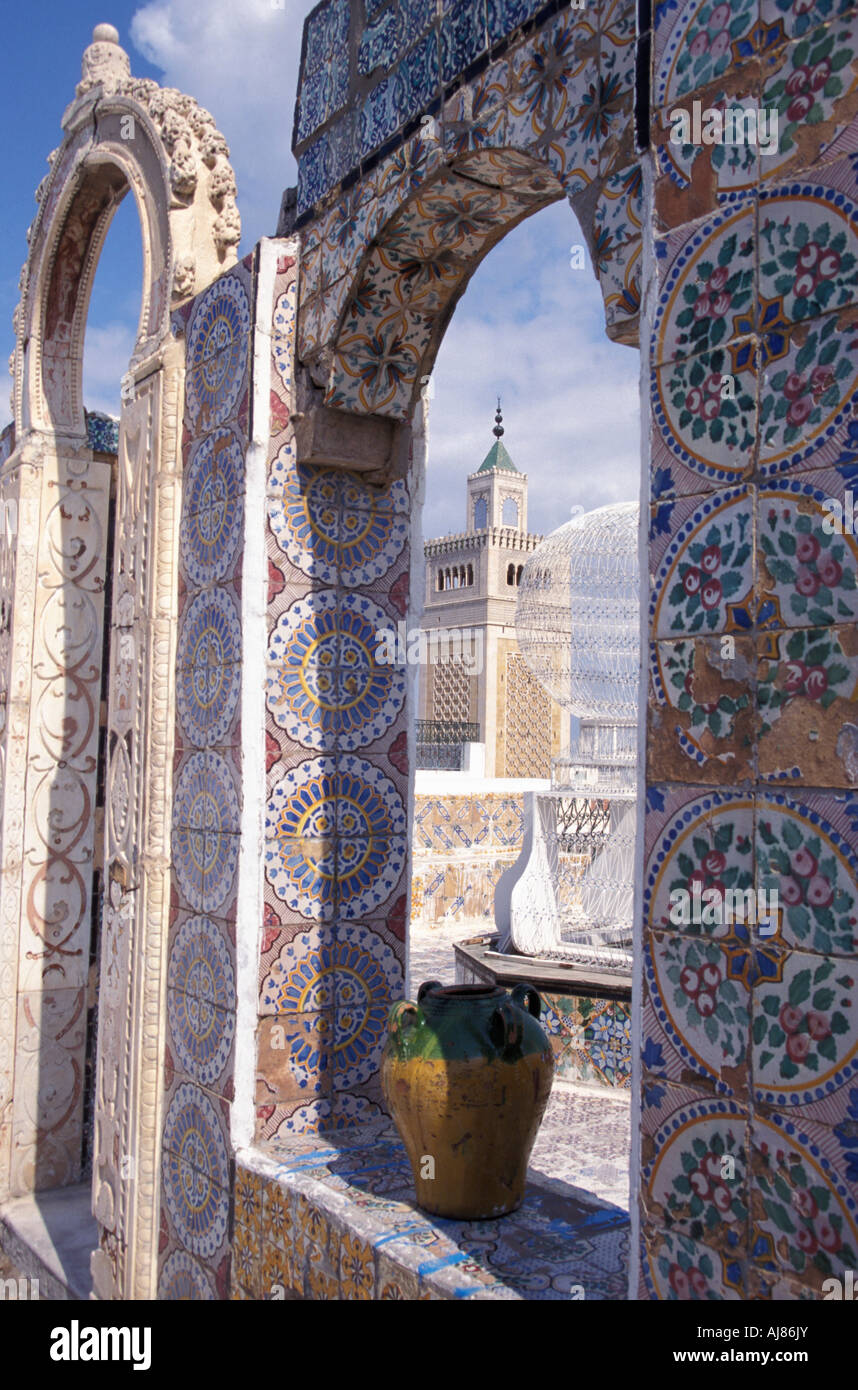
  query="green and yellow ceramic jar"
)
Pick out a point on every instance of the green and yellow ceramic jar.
point(467, 1072)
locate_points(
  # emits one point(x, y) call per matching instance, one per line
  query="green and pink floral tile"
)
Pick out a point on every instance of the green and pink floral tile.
point(696, 1012)
point(696, 1181)
point(793, 19)
point(706, 295)
point(809, 396)
point(696, 41)
point(807, 691)
point(807, 570)
point(804, 1215)
point(698, 847)
point(676, 1268)
point(808, 246)
point(702, 563)
point(807, 83)
point(701, 711)
point(704, 431)
point(806, 853)
point(805, 1035)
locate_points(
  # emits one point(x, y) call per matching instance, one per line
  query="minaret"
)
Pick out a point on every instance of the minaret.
point(497, 492)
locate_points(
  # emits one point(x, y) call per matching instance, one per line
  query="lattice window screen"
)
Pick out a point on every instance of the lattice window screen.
point(451, 691)
point(528, 722)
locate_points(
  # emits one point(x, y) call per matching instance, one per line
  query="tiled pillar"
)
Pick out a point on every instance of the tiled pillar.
point(196, 1167)
point(750, 1040)
point(337, 766)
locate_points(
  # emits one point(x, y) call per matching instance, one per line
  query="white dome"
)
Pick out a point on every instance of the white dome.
point(578, 613)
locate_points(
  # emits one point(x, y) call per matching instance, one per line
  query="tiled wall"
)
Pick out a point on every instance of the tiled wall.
point(336, 848)
point(196, 1165)
point(461, 845)
point(750, 1042)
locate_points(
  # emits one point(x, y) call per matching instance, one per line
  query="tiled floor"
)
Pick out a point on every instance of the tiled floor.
point(584, 1139)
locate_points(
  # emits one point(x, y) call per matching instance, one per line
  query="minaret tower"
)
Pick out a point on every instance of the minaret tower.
point(497, 492)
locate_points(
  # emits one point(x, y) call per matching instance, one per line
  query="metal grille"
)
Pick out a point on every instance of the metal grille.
point(441, 743)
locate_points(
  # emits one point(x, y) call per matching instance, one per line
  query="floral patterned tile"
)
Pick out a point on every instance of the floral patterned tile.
point(806, 852)
point(704, 430)
point(617, 242)
point(701, 719)
point(808, 247)
point(706, 288)
point(806, 691)
point(804, 1215)
point(699, 846)
point(809, 395)
point(696, 41)
point(804, 1024)
point(795, 19)
point(807, 83)
point(704, 567)
point(697, 1179)
point(677, 1268)
point(695, 176)
point(696, 1011)
point(807, 572)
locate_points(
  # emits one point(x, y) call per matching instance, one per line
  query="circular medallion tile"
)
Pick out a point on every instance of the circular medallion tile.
point(200, 1000)
point(217, 351)
point(335, 834)
point(331, 538)
point(212, 508)
point(182, 1280)
point(208, 682)
point(205, 825)
point(327, 689)
point(195, 1169)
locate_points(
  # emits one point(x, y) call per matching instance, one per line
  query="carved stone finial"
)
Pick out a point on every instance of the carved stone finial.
point(104, 63)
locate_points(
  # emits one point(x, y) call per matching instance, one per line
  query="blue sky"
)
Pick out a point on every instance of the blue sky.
point(528, 328)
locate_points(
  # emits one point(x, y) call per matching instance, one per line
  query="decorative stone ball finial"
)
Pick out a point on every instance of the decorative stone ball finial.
point(498, 429)
point(104, 64)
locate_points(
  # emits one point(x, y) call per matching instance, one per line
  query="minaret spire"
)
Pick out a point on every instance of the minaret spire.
point(498, 429)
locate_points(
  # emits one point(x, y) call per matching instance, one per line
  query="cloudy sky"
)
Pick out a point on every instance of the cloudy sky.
point(529, 328)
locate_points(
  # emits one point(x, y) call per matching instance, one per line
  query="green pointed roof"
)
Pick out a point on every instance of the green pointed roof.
point(497, 457)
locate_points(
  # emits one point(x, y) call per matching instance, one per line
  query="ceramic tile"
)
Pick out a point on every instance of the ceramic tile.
point(808, 393)
point(704, 423)
point(706, 288)
point(701, 710)
point(806, 687)
point(807, 571)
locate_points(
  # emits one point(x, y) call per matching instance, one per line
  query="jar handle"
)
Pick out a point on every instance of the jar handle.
point(505, 1028)
point(425, 988)
point(403, 1015)
point(527, 998)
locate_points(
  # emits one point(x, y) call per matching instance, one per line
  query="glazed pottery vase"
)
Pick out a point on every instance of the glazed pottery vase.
point(466, 1073)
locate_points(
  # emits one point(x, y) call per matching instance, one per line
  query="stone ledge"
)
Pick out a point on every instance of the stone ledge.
point(333, 1217)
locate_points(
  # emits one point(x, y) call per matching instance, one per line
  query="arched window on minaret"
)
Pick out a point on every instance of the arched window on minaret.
point(481, 514)
point(518, 574)
point(470, 575)
point(510, 574)
point(510, 512)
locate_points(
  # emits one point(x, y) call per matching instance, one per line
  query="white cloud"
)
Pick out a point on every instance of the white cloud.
point(240, 61)
point(107, 351)
point(532, 331)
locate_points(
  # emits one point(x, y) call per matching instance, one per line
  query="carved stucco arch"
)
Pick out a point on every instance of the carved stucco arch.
point(121, 134)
